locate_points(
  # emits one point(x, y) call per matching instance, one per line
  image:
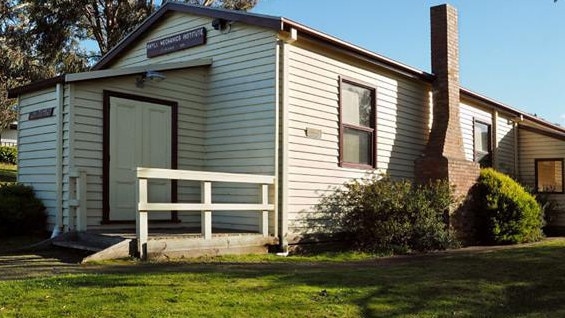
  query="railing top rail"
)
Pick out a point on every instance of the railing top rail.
point(169, 174)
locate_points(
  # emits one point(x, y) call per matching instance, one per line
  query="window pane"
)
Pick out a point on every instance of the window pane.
point(483, 148)
point(550, 176)
point(357, 104)
point(482, 137)
point(356, 146)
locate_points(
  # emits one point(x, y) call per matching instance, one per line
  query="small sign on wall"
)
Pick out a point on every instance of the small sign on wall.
point(41, 113)
point(313, 133)
point(176, 42)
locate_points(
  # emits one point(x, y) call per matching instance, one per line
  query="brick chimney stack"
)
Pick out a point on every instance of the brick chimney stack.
point(444, 158)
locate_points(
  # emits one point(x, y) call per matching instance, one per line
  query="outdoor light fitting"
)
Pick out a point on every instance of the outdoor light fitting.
point(149, 75)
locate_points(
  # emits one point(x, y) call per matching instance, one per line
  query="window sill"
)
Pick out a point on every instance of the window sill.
point(356, 166)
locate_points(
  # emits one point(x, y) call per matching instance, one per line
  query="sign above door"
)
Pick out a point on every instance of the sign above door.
point(177, 42)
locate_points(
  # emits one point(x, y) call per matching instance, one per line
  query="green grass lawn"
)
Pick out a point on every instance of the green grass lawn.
point(8, 173)
point(528, 281)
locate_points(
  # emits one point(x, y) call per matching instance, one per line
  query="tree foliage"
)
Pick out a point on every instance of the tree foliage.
point(36, 43)
point(42, 38)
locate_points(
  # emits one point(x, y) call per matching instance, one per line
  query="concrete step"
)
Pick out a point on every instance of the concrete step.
point(103, 247)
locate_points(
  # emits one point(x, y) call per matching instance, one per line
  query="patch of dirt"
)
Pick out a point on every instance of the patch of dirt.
point(40, 263)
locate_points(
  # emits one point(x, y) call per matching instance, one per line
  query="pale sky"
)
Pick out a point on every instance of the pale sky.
point(512, 51)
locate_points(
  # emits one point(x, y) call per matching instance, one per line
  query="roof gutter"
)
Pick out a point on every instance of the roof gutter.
point(94, 75)
point(35, 86)
point(358, 52)
point(472, 95)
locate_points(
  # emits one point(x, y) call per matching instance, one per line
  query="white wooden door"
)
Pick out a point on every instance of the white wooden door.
point(140, 136)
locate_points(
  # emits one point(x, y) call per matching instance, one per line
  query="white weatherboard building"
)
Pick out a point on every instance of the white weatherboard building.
point(9, 136)
point(210, 90)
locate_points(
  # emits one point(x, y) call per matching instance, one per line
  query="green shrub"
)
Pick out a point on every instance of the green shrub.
point(550, 208)
point(391, 216)
point(20, 211)
point(8, 154)
point(505, 212)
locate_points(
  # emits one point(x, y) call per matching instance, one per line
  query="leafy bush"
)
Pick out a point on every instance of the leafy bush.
point(20, 211)
point(550, 208)
point(8, 154)
point(391, 216)
point(505, 212)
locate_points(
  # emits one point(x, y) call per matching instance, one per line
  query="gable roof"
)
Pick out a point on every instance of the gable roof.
point(261, 20)
point(277, 24)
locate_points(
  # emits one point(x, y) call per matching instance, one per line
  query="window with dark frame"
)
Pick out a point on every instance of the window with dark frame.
point(549, 175)
point(483, 144)
point(357, 124)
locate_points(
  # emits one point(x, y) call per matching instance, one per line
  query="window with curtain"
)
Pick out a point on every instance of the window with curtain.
point(357, 124)
point(549, 175)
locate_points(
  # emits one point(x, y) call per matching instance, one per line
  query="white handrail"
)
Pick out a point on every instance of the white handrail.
point(205, 206)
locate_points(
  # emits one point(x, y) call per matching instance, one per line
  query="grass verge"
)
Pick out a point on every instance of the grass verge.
point(528, 281)
point(8, 173)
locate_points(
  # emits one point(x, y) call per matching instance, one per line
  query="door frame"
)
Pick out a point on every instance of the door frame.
point(107, 95)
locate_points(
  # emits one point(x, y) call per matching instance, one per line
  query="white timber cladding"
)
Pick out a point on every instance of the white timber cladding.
point(504, 134)
point(313, 95)
point(187, 87)
point(537, 146)
point(506, 145)
point(226, 112)
point(37, 149)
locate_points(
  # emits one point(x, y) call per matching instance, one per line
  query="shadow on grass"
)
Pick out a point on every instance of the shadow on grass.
point(514, 282)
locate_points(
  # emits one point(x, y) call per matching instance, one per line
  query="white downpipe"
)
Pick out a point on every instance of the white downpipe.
point(277, 139)
point(292, 37)
point(59, 162)
point(516, 151)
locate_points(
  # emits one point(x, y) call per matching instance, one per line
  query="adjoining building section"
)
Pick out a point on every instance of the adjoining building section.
point(9, 136)
point(216, 91)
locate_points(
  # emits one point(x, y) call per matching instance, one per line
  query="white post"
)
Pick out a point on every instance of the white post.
point(206, 218)
point(81, 212)
point(141, 218)
point(73, 202)
point(264, 228)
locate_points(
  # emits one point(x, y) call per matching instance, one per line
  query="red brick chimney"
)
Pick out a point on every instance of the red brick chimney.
point(444, 157)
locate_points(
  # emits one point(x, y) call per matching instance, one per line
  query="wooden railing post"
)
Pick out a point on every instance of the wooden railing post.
point(206, 218)
point(205, 206)
point(264, 227)
point(141, 218)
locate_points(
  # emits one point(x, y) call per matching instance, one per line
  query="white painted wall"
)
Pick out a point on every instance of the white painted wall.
point(469, 113)
point(187, 87)
point(536, 146)
point(37, 149)
point(313, 87)
point(226, 112)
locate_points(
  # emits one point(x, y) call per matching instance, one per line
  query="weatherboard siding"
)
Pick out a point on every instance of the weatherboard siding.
point(313, 88)
point(506, 149)
point(37, 149)
point(504, 134)
point(183, 86)
point(537, 146)
point(239, 124)
point(468, 115)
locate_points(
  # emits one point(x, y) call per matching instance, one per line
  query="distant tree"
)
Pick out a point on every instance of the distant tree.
point(36, 44)
point(107, 22)
point(227, 4)
point(42, 38)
